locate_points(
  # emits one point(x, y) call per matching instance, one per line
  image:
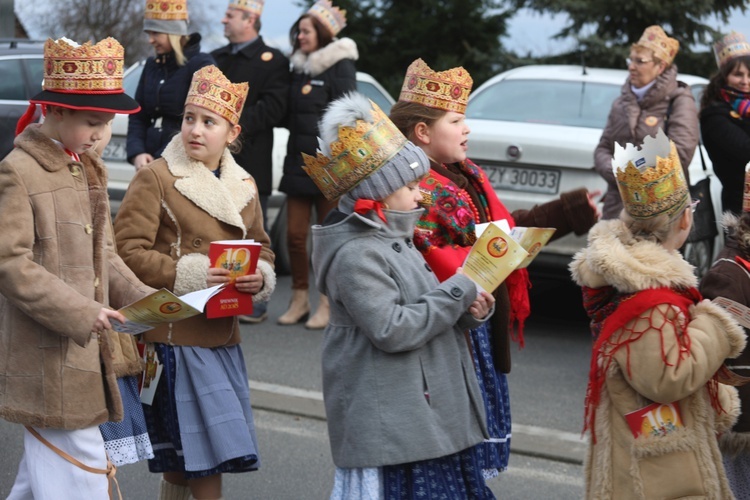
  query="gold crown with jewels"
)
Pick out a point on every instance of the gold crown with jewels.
point(69, 67)
point(333, 18)
point(166, 10)
point(730, 47)
point(358, 152)
point(211, 90)
point(447, 90)
point(650, 178)
point(252, 6)
point(663, 47)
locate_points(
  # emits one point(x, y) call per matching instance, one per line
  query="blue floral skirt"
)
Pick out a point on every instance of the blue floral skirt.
point(201, 422)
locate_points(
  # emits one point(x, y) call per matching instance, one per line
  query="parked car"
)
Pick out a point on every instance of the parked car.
point(534, 130)
point(21, 67)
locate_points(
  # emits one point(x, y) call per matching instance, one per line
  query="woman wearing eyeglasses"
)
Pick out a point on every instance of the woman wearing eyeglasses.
point(651, 98)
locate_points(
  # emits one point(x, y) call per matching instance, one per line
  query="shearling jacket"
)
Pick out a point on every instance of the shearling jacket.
point(398, 381)
point(266, 70)
point(174, 208)
point(58, 269)
point(726, 136)
point(730, 278)
point(317, 79)
point(630, 121)
point(665, 357)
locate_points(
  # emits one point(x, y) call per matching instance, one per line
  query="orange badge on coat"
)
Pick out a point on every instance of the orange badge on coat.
point(306, 89)
point(266, 56)
point(651, 121)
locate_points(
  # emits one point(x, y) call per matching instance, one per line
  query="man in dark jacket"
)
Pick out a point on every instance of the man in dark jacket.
point(248, 59)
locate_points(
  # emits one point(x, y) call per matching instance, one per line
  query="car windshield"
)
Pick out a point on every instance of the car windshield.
point(556, 102)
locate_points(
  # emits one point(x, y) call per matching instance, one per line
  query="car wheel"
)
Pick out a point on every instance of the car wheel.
point(699, 254)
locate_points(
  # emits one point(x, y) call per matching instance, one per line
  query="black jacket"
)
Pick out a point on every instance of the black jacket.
point(266, 70)
point(317, 79)
point(161, 92)
point(727, 141)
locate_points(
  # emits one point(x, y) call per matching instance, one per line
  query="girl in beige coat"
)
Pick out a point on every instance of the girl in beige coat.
point(654, 405)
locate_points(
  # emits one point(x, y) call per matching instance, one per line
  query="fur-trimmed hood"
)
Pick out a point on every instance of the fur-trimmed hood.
point(223, 199)
point(317, 62)
point(613, 257)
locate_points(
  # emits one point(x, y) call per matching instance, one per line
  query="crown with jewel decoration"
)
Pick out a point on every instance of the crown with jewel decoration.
point(211, 90)
point(650, 178)
point(166, 10)
point(333, 18)
point(655, 39)
point(358, 152)
point(69, 67)
point(447, 90)
point(252, 6)
point(730, 47)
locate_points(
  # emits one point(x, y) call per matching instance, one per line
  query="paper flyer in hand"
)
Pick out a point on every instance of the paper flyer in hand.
point(655, 419)
point(240, 257)
point(162, 307)
point(493, 257)
point(532, 239)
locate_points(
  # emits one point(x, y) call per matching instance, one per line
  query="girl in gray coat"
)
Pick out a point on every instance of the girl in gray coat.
point(400, 392)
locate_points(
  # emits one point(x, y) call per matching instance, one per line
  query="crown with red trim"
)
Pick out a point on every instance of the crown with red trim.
point(447, 90)
point(730, 47)
point(85, 77)
point(663, 47)
point(252, 6)
point(166, 16)
point(211, 90)
point(333, 18)
point(650, 178)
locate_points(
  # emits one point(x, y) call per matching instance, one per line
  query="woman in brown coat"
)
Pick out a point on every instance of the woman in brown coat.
point(651, 98)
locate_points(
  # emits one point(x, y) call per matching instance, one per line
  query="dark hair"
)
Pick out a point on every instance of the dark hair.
point(406, 116)
point(324, 36)
point(712, 93)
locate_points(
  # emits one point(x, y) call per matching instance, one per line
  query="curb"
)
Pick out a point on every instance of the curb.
point(529, 440)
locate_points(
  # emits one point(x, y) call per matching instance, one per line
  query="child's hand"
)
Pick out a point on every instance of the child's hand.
point(482, 305)
point(217, 276)
point(102, 320)
point(250, 283)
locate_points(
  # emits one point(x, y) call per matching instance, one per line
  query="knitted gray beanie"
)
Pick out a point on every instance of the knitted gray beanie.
point(171, 27)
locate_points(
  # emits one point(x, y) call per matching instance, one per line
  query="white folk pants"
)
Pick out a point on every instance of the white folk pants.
point(44, 475)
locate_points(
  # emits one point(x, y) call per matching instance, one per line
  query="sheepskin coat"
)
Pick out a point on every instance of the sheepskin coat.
point(317, 79)
point(58, 268)
point(685, 463)
point(174, 208)
point(730, 278)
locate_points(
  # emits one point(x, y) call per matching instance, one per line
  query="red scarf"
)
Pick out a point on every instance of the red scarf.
point(363, 206)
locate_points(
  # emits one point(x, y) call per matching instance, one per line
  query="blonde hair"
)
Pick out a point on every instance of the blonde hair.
point(655, 229)
point(177, 42)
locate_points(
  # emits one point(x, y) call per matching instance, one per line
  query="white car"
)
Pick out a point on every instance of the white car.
point(121, 172)
point(534, 130)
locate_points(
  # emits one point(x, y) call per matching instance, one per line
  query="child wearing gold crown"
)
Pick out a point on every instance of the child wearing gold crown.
point(729, 277)
point(61, 277)
point(397, 380)
point(725, 118)
point(654, 403)
point(196, 193)
point(431, 112)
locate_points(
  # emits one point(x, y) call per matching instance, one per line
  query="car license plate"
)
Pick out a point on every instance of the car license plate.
point(530, 180)
point(115, 150)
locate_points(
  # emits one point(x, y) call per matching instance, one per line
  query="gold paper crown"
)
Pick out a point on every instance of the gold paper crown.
point(357, 153)
point(210, 89)
point(651, 182)
point(83, 68)
point(447, 90)
point(746, 191)
point(730, 47)
point(333, 18)
point(252, 6)
point(663, 47)
point(166, 10)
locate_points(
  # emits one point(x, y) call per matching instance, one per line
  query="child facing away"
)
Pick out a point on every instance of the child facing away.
point(59, 276)
point(398, 380)
point(200, 422)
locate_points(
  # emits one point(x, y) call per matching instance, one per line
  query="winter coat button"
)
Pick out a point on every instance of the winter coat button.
point(456, 292)
point(88, 229)
point(396, 246)
point(96, 282)
point(75, 171)
point(197, 242)
point(427, 266)
point(409, 243)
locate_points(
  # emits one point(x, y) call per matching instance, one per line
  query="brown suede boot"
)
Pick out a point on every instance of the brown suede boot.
point(319, 320)
point(299, 308)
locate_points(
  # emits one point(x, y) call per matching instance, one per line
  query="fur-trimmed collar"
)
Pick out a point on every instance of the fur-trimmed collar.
point(317, 62)
point(223, 197)
point(48, 154)
point(613, 257)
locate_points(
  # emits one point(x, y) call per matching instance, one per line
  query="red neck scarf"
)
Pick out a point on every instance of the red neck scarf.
point(363, 206)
